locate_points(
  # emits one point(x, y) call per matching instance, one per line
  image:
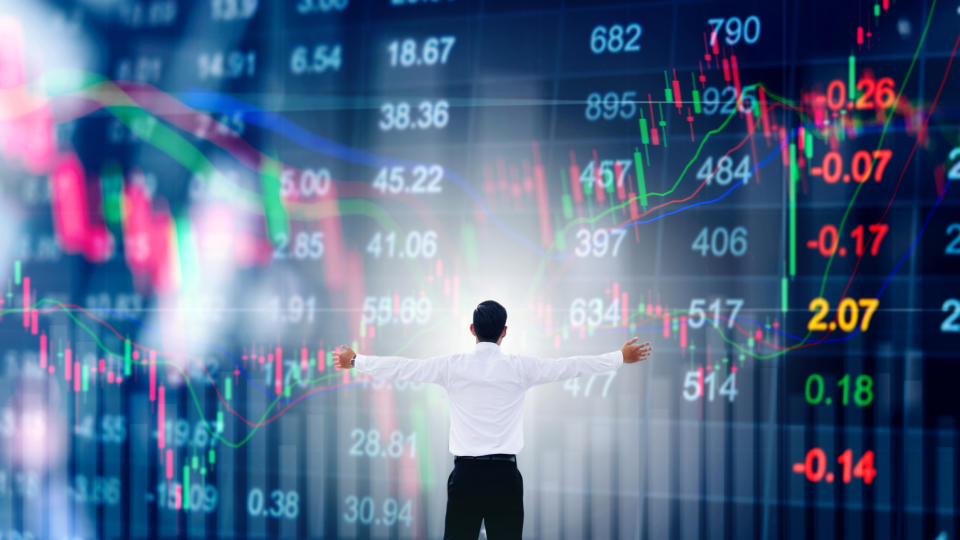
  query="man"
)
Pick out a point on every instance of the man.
point(486, 390)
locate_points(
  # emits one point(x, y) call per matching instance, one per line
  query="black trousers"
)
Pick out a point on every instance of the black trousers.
point(491, 491)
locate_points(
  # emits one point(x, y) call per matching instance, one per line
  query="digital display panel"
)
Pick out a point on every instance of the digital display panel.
point(201, 200)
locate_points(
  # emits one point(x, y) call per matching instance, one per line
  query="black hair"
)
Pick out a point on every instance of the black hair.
point(489, 319)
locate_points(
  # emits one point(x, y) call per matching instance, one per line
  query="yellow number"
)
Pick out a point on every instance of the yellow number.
point(816, 322)
point(848, 313)
point(871, 305)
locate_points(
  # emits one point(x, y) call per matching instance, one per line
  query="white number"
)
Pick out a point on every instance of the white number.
point(364, 510)
point(233, 10)
point(96, 490)
point(202, 498)
point(952, 322)
point(285, 504)
point(297, 306)
point(229, 65)
point(321, 6)
point(592, 312)
point(611, 105)
point(697, 315)
point(735, 29)
point(691, 386)
point(113, 429)
point(324, 57)
point(609, 171)
point(721, 242)
point(310, 183)
point(306, 246)
point(417, 244)
point(148, 69)
point(255, 502)
point(615, 38)
point(953, 248)
point(372, 448)
point(746, 101)
point(954, 173)
point(743, 101)
point(724, 172)
point(598, 244)
point(573, 385)
point(381, 310)
point(693, 389)
point(405, 53)
point(425, 179)
point(396, 116)
point(230, 125)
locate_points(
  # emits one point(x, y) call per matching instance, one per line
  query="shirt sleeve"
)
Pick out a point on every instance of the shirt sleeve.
point(397, 368)
point(542, 370)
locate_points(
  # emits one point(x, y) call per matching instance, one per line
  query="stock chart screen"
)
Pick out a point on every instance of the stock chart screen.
point(201, 200)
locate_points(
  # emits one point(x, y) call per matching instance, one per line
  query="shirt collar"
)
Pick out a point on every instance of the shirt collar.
point(487, 346)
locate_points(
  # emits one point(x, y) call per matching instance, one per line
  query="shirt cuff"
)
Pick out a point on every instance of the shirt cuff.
point(619, 356)
point(359, 362)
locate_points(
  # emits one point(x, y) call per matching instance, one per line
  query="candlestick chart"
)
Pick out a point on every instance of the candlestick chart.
point(200, 202)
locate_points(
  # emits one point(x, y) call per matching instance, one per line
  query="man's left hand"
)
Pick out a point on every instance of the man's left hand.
point(633, 353)
point(345, 357)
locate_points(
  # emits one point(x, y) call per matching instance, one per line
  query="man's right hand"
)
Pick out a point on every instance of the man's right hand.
point(345, 357)
point(633, 353)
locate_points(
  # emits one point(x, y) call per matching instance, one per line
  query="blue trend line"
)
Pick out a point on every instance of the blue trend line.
point(210, 100)
point(915, 240)
point(848, 337)
point(215, 101)
point(725, 194)
point(279, 124)
point(883, 287)
point(900, 262)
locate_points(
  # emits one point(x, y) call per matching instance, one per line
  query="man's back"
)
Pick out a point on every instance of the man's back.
point(486, 389)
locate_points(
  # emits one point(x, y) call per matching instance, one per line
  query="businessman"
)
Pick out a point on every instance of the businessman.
point(486, 388)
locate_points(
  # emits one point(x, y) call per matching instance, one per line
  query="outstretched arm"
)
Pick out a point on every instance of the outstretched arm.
point(431, 370)
point(541, 371)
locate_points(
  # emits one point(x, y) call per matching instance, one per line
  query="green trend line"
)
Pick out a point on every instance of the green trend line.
point(846, 213)
point(676, 184)
point(826, 273)
point(202, 159)
point(856, 192)
point(188, 155)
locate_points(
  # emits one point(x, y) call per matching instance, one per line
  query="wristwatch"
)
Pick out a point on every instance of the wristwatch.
point(353, 361)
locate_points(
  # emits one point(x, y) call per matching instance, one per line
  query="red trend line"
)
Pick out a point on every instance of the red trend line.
point(279, 413)
point(163, 105)
point(704, 182)
point(913, 150)
point(889, 204)
point(903, 171)
point(860, 257)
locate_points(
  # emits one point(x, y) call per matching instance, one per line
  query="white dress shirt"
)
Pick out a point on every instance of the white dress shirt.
point(486, 389)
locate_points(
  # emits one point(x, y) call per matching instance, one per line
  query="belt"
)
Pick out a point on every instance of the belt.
point(490, 457)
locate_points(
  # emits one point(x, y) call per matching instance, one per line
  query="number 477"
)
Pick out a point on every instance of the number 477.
point(573, 385)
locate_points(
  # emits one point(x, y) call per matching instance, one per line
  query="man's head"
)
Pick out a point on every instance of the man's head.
point(489, 322)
